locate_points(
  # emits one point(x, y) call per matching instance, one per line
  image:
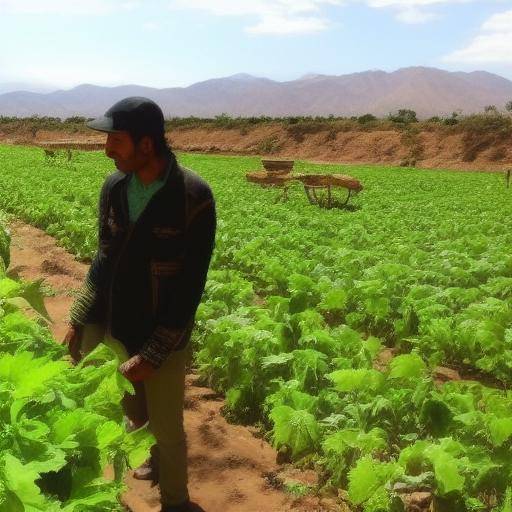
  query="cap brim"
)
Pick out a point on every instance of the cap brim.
point(102, 124)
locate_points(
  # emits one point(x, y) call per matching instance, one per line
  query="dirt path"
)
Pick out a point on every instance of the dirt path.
point(230, 469)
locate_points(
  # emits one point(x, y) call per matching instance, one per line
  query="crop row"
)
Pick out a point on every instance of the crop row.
point(301, 302)
point(60, 426)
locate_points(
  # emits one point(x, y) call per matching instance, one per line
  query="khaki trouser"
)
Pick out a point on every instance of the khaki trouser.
point(158, 400)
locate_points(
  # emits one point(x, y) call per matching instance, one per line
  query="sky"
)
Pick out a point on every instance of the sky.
point(175, 43)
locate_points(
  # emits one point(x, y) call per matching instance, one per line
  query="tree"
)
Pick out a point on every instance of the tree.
point(366, 118)
point(75, 120)
point(405, 116)
point(491, 109)
point(508, 106)
point(453, 120)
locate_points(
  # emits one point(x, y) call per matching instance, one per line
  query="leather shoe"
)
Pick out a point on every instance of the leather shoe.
point(149, 469)
point(182, 507)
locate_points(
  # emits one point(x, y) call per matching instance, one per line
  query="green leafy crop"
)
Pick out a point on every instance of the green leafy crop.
point(326, 326)
point(60, 426)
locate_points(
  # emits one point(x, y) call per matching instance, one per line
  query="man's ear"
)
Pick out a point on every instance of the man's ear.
point(146, 145)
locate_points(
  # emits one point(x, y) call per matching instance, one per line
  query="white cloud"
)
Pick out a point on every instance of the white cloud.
point(414, 16)
point(274, 17)
point(492, 45)
point(292, 25)
point(500, 22)
point(254, 7)
point(69, 73)
point(306, 16)
point(81, 7)
point(412, 11)
point(410, 3)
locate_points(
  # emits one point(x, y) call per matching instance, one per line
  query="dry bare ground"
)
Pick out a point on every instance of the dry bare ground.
point(231, 469)
point(427, 149)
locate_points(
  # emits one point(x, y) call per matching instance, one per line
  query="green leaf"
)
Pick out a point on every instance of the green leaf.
point(137, 445)
point(334, 300)
point(366, 442)
point(356, 380)
point(5, 240)
point(369, 477)
point(9, 502)
point(296, 429)
point(276, 360)
point(373, 346)
point(446, 470)
point(436, 416)
point(500, 430)
point(28, 375)
point(109, 433)
point(78, 424)
point(9, 288)
point(380, 501)
point(23, 304)
point(96, 500)
point(414, 459)
point(407, 366)
point(507, 502)
point(20, 479)
point(32, 292)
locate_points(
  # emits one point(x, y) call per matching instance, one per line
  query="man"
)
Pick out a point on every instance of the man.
point(156, 236)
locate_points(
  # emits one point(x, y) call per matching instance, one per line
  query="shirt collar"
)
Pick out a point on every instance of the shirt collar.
point(160, 180)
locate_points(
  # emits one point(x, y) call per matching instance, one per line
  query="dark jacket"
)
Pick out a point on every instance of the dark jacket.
point(146, 280)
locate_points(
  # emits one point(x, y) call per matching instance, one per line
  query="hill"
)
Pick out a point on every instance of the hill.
point(428, 91)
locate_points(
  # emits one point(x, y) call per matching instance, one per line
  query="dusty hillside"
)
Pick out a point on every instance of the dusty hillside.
point(408, 147)
point(428, 149)
point(428, 91)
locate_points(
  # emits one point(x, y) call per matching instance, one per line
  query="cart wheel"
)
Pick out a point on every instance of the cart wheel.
point(310, 195)
point(349, 195)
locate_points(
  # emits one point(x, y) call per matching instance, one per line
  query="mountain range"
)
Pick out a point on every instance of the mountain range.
point(428, 91)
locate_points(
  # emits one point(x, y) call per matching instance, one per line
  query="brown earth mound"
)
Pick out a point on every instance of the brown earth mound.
point(429, 149)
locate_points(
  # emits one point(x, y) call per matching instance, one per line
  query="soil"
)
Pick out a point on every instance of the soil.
point(231, 469)
point(427, 149)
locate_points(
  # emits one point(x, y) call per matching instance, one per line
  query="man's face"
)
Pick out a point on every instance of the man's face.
point(127, 156)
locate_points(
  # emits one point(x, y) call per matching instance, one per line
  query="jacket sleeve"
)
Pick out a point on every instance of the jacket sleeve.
point(89, 305)
point(174, 327)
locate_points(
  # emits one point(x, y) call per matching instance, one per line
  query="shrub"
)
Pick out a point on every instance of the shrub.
point(483, 131)
point(404, 116)
point(366, 118)
point(491, 109)
point(269, 145)
point(411, 140)
point(452, 120)
point(75, 120)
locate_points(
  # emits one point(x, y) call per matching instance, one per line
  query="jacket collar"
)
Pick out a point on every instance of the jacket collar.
point(171, 172)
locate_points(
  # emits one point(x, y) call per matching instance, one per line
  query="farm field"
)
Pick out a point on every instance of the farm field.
point(302, 304)
point(60, 427)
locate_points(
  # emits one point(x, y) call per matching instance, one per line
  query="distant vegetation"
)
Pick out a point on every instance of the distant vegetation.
point(491, 117)
point(480, 131)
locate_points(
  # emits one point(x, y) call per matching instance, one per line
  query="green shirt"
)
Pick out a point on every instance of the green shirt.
point(139, 194)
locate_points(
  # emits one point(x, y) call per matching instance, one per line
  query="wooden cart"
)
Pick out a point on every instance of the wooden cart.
point(278, 173)
point(271, 180)
point(327, 182)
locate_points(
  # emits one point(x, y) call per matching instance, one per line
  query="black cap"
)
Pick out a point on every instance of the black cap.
point(137, 115)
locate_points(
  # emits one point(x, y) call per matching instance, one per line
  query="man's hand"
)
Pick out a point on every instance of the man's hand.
point(72, 340)
point(137, 369)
